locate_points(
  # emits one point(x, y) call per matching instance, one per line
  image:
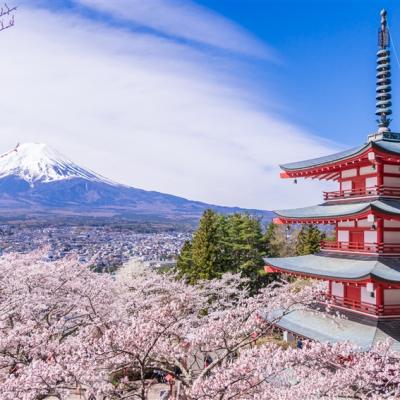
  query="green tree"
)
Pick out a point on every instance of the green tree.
point(308, 240)
point(185, 261)
point(206, 256)
point(246, 248)
point(232, 243)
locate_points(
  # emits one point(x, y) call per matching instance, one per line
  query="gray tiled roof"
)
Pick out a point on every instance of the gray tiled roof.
point(363, 332)
point(324, 160)
point(341, 267)
point(386, 145)
point(390, 146)
point(339, 210)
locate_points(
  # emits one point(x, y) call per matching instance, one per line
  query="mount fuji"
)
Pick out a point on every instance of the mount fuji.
point(38, 183)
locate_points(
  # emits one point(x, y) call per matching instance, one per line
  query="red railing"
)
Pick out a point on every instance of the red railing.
point(356, 247)
point(386, 309)
point(369, 191)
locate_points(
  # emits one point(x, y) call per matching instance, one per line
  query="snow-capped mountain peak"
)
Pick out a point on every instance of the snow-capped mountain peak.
point(37, 162)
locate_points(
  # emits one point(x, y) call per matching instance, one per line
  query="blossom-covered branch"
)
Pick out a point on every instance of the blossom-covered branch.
point(65, 328)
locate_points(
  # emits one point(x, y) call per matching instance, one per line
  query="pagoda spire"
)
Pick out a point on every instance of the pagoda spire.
point(383, 81)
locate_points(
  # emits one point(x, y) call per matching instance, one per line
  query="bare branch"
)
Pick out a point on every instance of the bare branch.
point(7, 18)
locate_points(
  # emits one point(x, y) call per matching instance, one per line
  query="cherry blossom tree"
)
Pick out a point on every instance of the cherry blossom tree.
point(65, 328)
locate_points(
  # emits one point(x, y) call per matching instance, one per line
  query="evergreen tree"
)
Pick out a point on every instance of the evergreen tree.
point(308, 240)
point(221, 244)
point(246, 247)
point(208, 251)
point(184, 262)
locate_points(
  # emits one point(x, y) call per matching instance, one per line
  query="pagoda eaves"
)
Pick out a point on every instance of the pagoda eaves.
point(330, 166)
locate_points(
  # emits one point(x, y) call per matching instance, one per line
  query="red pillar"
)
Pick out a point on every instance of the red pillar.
point(379, 299)
point(379, 234)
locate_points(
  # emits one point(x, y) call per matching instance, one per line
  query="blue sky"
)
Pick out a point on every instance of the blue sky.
point(327, 50)
point(202, 99)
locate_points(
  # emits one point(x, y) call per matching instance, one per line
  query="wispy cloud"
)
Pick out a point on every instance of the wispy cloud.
point(148, 111)
point(183, 19)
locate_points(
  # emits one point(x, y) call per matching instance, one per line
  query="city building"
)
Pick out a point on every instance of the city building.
point(362, 264)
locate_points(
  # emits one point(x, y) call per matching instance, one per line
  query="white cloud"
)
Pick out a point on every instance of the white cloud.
point(183, 19)
point(147, 111)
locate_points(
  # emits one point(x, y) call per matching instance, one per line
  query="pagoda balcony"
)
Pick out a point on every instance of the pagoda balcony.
point(387, 191)
point(365, 248)
point(387, 310)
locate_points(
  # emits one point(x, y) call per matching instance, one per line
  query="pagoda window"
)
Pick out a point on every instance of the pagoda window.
point(367, 296)
point(391, 296)
point(391, 169)
point(349, 173)
point(337, 289)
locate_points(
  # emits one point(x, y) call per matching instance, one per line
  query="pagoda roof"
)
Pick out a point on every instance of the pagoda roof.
point(387, 146)
point(362, 331)
point(352, 268)
point(329, 210)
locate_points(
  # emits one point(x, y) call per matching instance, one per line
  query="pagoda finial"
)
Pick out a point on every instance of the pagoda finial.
point(383, 88)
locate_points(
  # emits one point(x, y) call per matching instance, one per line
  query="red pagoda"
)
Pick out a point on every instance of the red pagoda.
point(362, 264)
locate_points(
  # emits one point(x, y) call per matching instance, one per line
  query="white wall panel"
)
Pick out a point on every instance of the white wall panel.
point(391, 296)
point(337, 289)
point(391, 181)
point(391, 223)
point(366, 296)
point(391, 169)
point(370, 236)
point(346, 224)
point(346, 185)
point(367, 170)
point(371, 182)
point(348, 173)
point(343, 236)
point(364, 223)
point(391, 237)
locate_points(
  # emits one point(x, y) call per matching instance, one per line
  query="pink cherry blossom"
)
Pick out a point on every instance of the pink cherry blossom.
point(65, 328)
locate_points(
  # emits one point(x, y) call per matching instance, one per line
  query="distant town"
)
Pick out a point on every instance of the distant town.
point(105, 248)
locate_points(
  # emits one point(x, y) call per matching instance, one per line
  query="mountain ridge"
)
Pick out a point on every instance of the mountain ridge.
point(36, 180)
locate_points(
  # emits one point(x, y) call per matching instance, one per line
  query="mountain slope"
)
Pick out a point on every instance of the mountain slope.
point(37, 182)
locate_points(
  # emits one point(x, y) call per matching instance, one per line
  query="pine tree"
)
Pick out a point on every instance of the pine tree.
point(208, 248)
point(221, 244)
point(246, 245)
point(308, 240)
point(184, 262)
